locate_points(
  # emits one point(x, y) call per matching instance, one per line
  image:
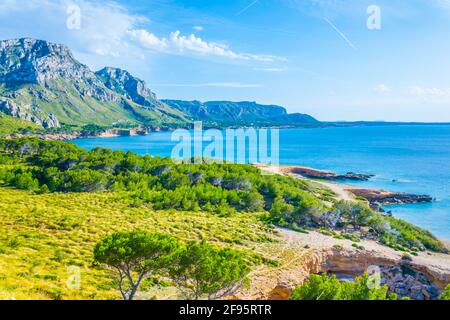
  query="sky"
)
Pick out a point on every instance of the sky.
point(333, 59)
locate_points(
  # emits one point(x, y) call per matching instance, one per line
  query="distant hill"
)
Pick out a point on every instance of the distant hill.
point(43, 83)
point(241, 113)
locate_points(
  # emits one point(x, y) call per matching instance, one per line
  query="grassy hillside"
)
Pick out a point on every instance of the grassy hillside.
point(63, 100)
point(71, 198)
point(42, 235)
point(10, 125)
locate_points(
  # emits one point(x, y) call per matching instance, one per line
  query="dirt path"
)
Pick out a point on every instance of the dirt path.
point(338, 189)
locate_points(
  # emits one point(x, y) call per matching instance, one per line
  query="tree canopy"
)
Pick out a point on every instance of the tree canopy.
point(326, 287)
point(446, 293)
point(135, 256)
point(203, 270)
point(199, 269)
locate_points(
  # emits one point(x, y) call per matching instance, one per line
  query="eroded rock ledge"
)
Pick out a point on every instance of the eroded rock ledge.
point(422, 278)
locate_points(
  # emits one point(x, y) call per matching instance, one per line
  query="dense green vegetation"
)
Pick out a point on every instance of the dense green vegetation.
point(11, 125)
point(325, 287)
point(42, 166)
point(222, 189)
point(446, 294)
point(199, 269)
point(43, 235)
point(138, 254)
point(202, 270)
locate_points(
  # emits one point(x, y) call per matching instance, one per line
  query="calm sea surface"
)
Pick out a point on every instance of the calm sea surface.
point(417, 158)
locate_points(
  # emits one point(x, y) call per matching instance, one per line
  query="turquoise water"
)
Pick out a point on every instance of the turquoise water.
point(417, 157)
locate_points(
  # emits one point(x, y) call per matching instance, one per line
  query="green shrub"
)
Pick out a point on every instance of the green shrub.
point(446, 293)
point(135, 256)
point(203, 270)
point(325, 287)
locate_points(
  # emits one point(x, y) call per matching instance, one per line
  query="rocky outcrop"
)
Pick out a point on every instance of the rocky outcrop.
point(422, 277)
point(376, 198)
point(326, 175)
point(26, 61)
point(406, 282)
point(241, 113)
point(48, 85)
point(379, 198)
point(406, 279)
point(29, 113)
point(123, 82)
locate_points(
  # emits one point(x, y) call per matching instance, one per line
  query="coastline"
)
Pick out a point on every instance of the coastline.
point(377, 198)
point(343, 191)
point(315, 253)
point(327, 253)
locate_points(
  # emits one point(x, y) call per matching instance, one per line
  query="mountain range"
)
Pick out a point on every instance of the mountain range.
point(43, 83)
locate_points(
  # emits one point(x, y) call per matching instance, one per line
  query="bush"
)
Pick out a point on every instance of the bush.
point(134, 256)
point(446, 294)
point(203, 270)
point(325, 287)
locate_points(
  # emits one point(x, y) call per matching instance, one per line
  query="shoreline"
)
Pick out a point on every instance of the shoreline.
point(328, 254)
point(341, 190)
point(377, 198)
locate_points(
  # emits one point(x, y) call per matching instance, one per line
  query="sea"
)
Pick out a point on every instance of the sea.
point(404, 158)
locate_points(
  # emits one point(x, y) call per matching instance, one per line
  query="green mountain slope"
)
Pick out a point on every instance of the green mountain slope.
point(43, 83)
point(241, 113)
point(9, 125)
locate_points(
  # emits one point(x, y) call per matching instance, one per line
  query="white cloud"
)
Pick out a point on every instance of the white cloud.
point(271, 69)
point(103, 31)
point(148, 40)
point(191, 44)
point(198, 28)
point(107, 29)
point(382, 88)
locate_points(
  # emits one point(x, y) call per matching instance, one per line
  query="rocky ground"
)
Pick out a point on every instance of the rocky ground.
point(303, 254)
point(420, 277)
point(379, 198)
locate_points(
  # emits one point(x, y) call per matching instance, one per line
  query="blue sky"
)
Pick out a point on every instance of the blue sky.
point(311, 56)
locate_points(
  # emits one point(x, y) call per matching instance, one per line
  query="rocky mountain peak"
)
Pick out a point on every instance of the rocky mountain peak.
point(122, 82)
point(31, 61)
point(42, 82)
